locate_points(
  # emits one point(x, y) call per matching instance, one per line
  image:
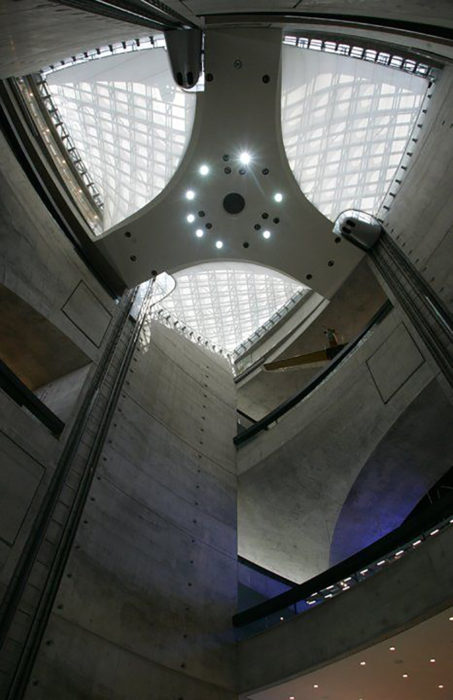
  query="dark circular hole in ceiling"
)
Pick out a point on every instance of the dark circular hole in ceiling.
point(233, 203)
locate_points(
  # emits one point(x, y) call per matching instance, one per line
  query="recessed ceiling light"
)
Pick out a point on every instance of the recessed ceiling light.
point(451, 619)
point(363, 663)
point(392, 648)
point(190, 218)
point(219, 244)
point(245, 158)
point(204, 169)
point(266, 234)
point(190, 194)
point(281, 619)
point(291, 697)
point(278, 196)
point(432, 661)
point(315, 685)
point(440, 686)
point(405, 675)
point(199, 233)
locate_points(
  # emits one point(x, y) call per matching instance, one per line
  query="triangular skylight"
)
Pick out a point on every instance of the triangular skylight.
point(226, 302)
point(346, 124)
point(130, 123)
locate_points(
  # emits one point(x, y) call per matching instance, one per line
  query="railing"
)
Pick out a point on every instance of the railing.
point(284, 407)
point(352, 571)
point(23, 396)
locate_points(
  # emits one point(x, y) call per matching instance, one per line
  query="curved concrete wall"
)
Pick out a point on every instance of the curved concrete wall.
point(295, 478)
point(409, 460)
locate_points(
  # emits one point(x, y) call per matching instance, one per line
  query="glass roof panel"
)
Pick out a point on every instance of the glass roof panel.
point(345, 126)
point(226, 302)
point(130, 123)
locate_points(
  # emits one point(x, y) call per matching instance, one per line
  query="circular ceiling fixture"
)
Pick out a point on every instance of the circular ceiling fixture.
point(233, 203)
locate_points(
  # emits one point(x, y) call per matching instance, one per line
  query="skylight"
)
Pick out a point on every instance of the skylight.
point(130, 123)
point(345, 125)
point(226, 302)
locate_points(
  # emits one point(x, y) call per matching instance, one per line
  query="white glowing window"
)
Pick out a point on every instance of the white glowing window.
point(226, 302)
point(130, 123)
point(343, 118)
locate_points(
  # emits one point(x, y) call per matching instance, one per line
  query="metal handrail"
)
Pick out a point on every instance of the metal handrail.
point(284, 407)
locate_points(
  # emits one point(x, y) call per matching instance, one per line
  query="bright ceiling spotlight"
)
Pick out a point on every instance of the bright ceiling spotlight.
point(245, 158)
point(190, 218)
point(190, 194)
point(266, 234)
point(204, 169)
point(199, 233)
point(219, 244)
point(278, 197)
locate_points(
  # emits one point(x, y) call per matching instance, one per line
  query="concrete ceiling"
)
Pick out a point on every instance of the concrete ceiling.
point(427, 11)
point(412, 665)
point(38, 32)
point(239, 111)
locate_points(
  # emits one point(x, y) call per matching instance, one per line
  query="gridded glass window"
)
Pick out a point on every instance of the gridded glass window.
point(226, 302)
point(346, 123)
point(125, 110)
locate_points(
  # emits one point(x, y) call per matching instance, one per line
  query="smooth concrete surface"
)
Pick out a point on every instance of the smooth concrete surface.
point(151, 583)
point(39, 269)
point(295, 478)
point(61, 395)
point(21, 476)
point(420, 218)
point(410, 590)
point(36, 33)
point(413, 455)
point(37, 262)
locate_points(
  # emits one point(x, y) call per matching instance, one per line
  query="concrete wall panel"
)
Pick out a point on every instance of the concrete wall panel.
point(19, 479)
point(87, 313)
point(394, 362)
point(152, 576)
